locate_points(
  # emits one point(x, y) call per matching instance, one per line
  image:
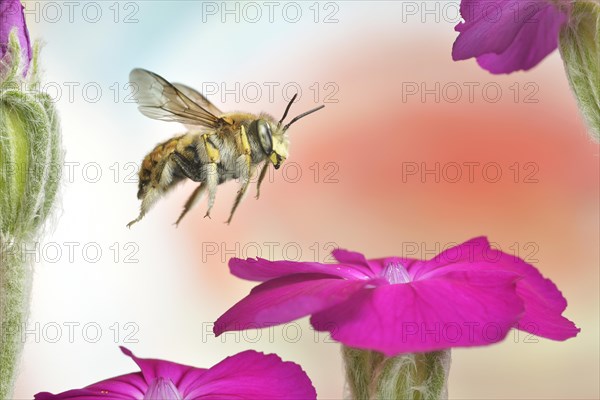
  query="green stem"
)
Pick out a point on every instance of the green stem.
point(416, 376)
point(15, 283)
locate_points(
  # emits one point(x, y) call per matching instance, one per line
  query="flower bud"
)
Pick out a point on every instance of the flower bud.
point(30, 155)
point(580, 50)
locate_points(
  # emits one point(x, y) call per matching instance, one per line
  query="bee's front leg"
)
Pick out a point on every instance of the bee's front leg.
point(263, 173)
point(244, 166)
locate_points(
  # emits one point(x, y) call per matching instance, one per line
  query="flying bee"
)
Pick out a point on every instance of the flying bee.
point(216, 148)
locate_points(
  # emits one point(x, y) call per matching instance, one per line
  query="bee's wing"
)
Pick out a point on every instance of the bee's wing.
point(159, 99)
point(198, 98)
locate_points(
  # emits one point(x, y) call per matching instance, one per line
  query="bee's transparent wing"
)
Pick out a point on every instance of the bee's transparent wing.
point(198, 98)
point(159, 99)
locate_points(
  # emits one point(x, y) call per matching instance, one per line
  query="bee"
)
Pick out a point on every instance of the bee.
point(217, 147)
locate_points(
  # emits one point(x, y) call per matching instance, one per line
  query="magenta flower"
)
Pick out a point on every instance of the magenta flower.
point(509, 35)
point(12, 17)
point(246, 375)
point(469, 295)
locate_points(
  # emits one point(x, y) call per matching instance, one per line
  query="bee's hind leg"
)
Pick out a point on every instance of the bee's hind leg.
point(150, 192)
point(138, 219)
point(148, 201)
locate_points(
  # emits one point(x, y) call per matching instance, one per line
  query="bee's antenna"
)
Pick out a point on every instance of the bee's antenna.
point(285, 113)
point(302, 116)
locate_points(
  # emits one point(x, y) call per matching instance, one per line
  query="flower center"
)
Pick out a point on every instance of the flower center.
point(162, 389)
point(395, 272)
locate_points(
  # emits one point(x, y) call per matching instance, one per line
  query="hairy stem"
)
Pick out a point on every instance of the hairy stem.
point(417, 376)
point(15, 283)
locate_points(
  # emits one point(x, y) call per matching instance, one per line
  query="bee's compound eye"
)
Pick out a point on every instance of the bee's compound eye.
point(264, 135)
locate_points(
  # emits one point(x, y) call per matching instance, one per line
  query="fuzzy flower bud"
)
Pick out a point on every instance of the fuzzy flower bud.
point(30, 161)
point(580, 50)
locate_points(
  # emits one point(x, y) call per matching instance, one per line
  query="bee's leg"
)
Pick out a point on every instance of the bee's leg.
point(210, 172)
point(244, 165)
point(151, 193)
point(189, 168)
point(241, 161)
point(207, 172)
point(263, 173)
point(212, 180)
point(244, 161)
point(191, 201)
point(149, 199)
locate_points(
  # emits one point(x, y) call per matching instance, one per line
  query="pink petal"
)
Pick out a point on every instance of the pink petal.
point(252, 375)
point(125, 387)
point(286, 299)
point(533, 285)
point(465, 253)
point(263, 270)
point(133, 386)
point(12, 17)
point(490, 26)
point(507, 35)
point(181, 375)
point(354, 259)
point(462, 253)
point(469, 251)
point(546, 323)
point(543, 302)
point(461, 309)
point(531, 45)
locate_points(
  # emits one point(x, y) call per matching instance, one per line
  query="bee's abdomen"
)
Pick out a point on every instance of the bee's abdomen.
point(154, 164)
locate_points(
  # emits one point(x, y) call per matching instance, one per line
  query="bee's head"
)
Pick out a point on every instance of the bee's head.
point(273, 138)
